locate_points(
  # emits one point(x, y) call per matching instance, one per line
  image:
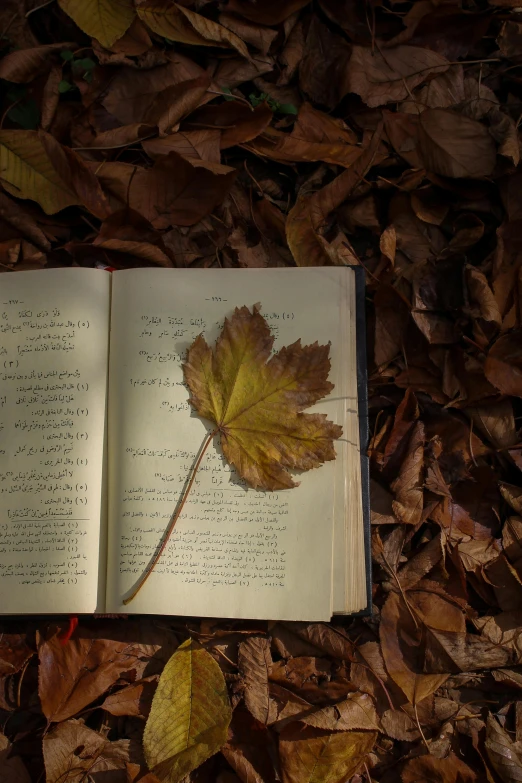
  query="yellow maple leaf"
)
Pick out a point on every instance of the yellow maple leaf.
point(256, 400)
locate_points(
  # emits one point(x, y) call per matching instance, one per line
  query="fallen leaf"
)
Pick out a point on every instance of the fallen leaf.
point(323, 70)
point(14, 652)
point(173, 192)
point(254, 662)
point(386, 76)
point(455, 146)
point(271, 12)
point(408, 503)
point(310, 755)
point(73, 675)
point(446, 770)
point(180, 99)
point(177, 23)
point(27, 171)
point(190, 714)
point(102, 19)
point(12, 768)
point(202, 145)
point(131, 94)
point(308, 247)
point(72, 751)
point(243, 390)
point(503, 366)
point(26, 64)
point(135, 699)
point(397, 628)
point(250, 748)
point(238, 123)
point(504, 754)
point(356, 712)
point(504, 131)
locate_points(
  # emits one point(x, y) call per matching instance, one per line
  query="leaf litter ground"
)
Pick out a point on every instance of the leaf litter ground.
point(333, 132)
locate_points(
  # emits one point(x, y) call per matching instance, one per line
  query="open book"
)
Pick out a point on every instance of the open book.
point(97, 440)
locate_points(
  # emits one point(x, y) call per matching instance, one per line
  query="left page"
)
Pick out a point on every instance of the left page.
point(54, 335)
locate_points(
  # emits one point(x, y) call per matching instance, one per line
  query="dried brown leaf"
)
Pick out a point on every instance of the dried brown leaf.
point(503, 366)
point(443, 770)
point(454, 146)
point(72, 751)
point(504, 754)
point(254, 662)
point(72, 676)
point(309, 754)
point(386, 76)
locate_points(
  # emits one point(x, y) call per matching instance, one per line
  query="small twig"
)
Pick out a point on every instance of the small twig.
point(6, 112)
point(471, 444)
point(117, 146)
point(38, 7)
point(232, 95)
point(19, 689)
point(173, 519)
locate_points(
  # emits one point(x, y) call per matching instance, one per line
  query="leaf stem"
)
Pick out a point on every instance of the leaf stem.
point(173, 519)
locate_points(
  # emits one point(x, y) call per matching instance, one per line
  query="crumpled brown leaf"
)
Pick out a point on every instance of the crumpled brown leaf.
point(72, 751)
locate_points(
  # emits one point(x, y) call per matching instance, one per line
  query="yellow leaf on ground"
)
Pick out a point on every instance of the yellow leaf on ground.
point(26, 171)
point(190, 714)
point(105, 20)
point(312, 756)
point(176, 23)
point(256, 400)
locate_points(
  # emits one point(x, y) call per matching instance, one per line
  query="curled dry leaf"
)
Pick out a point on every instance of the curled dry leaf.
point(72, 751)
point(504, 754)
point(308, 247)
point(190, 714)
point(256, 400)
point(254, 662)
point(177, 23)
point(503, 366)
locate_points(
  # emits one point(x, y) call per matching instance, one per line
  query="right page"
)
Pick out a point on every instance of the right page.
point(235, 552)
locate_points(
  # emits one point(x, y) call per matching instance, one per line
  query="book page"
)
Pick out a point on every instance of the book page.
point(235, 552)
point(54, 331)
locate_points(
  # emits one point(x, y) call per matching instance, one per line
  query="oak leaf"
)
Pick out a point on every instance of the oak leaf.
point(190, 714)
point(256, 400)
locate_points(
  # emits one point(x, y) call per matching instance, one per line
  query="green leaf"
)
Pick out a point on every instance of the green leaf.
point(287, 108)
point(85, 64)
point(25, 114)
point(190, 714)
point(65, 86)
point(67, 55)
